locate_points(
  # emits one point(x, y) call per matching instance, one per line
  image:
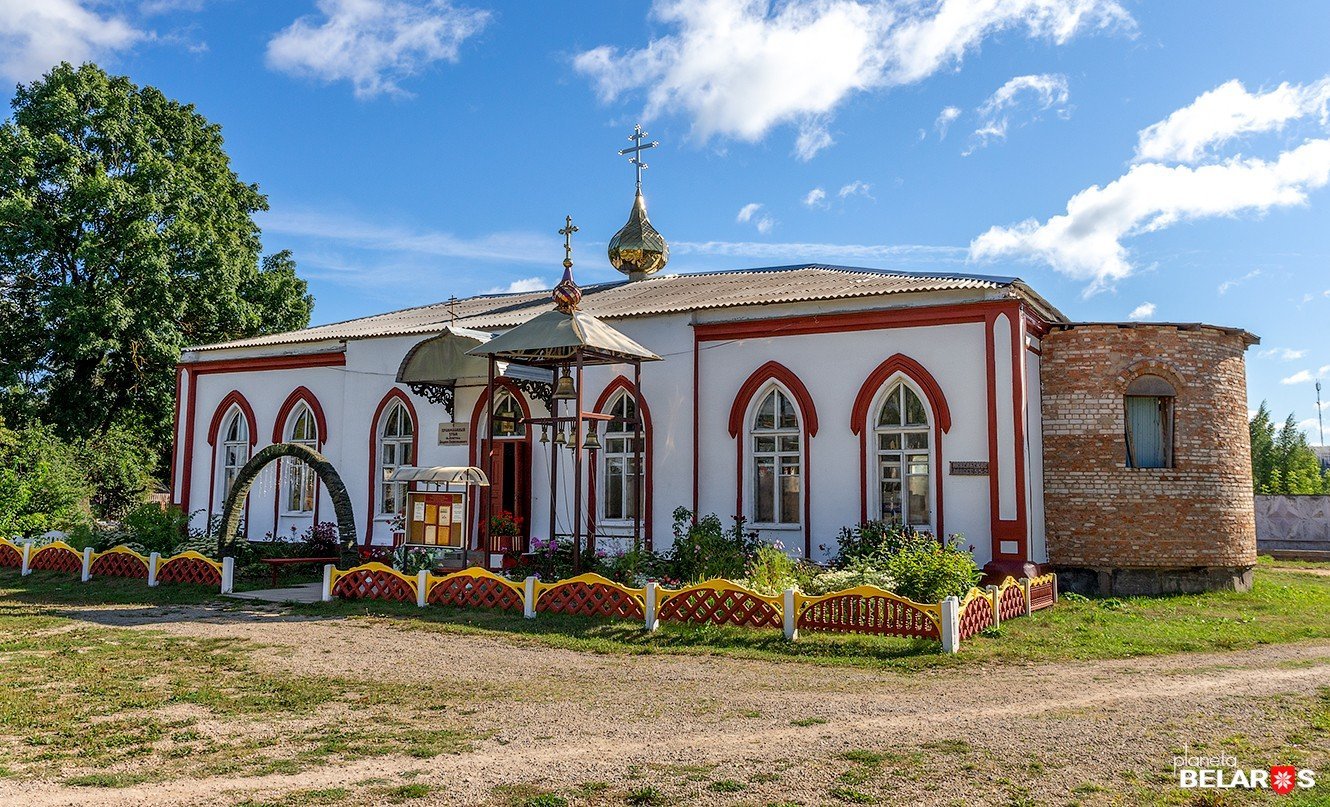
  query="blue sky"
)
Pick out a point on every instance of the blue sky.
point(1162, 161)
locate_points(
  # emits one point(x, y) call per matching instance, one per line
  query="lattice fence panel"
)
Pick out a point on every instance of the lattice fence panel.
point(977, 617)
point(119, 564)
point(10, 557)
point(1041, 595)
point(56, 559)
point(720, 607)
point(189, 570)
point(855, 613)
point(474, 592)
point(590, 599)
point(373, 584)
point(1011, 602)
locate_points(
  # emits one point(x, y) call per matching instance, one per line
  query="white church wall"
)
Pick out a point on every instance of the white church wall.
point(1034, 455)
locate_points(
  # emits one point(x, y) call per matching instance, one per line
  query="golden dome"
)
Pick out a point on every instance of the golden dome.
point(638, 250)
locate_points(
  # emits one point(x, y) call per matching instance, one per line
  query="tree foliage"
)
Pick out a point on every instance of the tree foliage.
point(124, 237)
point(1282, 461)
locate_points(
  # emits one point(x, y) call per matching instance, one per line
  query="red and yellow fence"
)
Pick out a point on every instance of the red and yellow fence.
point(119, 561)
point(866, 609)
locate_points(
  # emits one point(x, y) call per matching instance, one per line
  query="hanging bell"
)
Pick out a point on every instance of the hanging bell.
point(559, 439)
point(544, 434)
point(565, 390)
point(592, 442)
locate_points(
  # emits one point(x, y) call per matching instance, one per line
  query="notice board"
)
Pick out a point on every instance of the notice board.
point(435, 519)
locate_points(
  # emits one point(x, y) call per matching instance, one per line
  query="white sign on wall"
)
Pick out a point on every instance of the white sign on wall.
point(454, 434)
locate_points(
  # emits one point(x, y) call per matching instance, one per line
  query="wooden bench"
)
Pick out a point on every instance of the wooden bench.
point(276, 564)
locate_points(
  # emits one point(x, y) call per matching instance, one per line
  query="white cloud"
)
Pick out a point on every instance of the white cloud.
point(1036, 93)
point(1231, 282)
point(373, 43)
point(1085, 243)
point(525, 284)
point(169, 6)
point(944, 120)
point(855, 188)
point(813, 137)
point(511, 247)
point(1227, 112)
point(1142, 311)
point(816, 198)
point(36, 35)
point(1282, 353)
point(833, 253)
point(752, 213)
point(1306, 376)
point(740, 67)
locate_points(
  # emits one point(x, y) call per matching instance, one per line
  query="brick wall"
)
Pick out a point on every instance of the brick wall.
point(1101, 514)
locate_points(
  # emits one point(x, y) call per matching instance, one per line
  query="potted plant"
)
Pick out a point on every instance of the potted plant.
point(504, 527)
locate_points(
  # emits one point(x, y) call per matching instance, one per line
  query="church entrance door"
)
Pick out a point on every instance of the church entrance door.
point(510, 492)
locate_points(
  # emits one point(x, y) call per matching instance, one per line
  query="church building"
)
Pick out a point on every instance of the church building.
point(804, 398)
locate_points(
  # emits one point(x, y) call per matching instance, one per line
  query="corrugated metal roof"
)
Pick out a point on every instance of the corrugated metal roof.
point(656, 295)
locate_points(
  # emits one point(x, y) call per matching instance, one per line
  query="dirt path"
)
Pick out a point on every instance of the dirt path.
point(680, 724)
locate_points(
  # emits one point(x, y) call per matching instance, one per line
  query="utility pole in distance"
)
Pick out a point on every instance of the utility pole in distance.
point(1320, 424)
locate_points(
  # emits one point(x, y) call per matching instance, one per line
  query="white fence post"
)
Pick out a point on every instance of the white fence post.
point(994, 596)
point(652, 606)
point(422, 587)
point(153, 559)
point(327, 582)
point(1025, 587)
point(27, 557)
point(791, 616)
point(87, 563)
point(228, 575)
point(529, 597)
point(951, 625)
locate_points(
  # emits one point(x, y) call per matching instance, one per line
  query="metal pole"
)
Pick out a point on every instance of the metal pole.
point(1320, 424)
point(488, 509)
point(553, 448)
point(577, 470)
point(639, 473)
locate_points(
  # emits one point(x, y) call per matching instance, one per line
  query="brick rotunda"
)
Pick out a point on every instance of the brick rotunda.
point(1147, 464)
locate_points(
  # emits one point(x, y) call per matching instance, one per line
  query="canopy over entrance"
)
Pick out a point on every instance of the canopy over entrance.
point(442, 475)
point(445, 360)
point(556, 337)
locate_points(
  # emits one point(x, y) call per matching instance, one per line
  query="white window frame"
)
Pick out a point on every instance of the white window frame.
point(297, 471)
point(398, 441)
point(875, 413)
point(236, 421)
point(626, 457)
point(751, 435)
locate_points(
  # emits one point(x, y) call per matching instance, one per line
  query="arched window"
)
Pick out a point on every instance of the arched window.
point(904, 458)
point(1148, 407)
point(235, 448)
point(396, 436)
point(619, 456)
point(507, 416)
point(777, 475)
point(299, 478)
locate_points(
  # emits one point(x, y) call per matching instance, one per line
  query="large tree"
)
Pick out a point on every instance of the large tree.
point(124, 236)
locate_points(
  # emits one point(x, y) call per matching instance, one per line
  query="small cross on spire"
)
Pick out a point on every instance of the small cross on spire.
point(636, 150)
point(567, 232)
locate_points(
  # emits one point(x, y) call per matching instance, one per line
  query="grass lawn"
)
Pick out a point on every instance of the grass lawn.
point(1283, 606)
point(1267, 562)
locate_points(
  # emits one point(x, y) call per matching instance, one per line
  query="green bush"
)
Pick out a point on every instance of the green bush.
point(42, 487)
point(156, 529)
point(771, 571)
point(927, 570)
point(872, 539)
point(118, 465)
point(704, 549)
point(868, 571)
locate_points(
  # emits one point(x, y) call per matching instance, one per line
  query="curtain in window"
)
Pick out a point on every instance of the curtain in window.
point(1146, 432)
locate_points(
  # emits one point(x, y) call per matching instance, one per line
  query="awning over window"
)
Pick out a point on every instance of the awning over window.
point(444, 360)
point(442, 475)
point(554, 335)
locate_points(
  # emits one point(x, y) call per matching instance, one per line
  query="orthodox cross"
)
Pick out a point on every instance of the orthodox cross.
point(567, 232)
point(636, 150)
point(452, 310)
